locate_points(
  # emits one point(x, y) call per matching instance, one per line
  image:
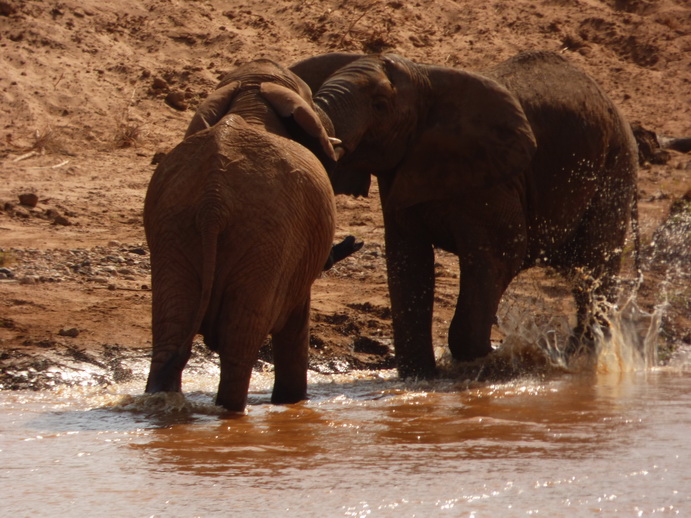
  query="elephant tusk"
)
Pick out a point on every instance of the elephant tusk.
point(335, 141)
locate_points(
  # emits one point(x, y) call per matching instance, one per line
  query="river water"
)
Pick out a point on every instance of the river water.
point(607, 441)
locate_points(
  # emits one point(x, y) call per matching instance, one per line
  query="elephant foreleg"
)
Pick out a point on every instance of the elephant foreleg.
point(290, 350)
point(490, 256)
point(410, 269)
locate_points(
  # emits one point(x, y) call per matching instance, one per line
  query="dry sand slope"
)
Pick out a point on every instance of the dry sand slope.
point(90, 91)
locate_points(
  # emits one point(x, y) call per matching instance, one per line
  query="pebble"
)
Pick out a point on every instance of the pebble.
point(99, 265)
point(21, 212)
point(176, 100)
point(159, 83)
point(28, 199)
point(61, 220)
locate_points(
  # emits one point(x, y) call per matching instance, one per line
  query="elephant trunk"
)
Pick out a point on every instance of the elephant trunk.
point(349, 125)
point(342, 110)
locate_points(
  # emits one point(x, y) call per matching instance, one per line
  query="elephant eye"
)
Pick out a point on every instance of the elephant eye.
point(380, 104)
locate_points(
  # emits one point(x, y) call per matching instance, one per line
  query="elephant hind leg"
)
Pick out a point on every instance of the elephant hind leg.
point(173, 314)
point(593, 266)
point(290, 350)
point(235, 382)
point(165, 374)
point(238, 344)
point(591, 300)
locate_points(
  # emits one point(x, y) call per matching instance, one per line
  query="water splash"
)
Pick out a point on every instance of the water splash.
point(626, 340)
point(629, 341)
point(166, 403)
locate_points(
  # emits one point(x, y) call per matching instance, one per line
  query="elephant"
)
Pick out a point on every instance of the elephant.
point(527, 163)
point(239, 218)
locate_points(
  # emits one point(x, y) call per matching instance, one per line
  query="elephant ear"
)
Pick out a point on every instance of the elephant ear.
point(288, 103)
point(214, 107)
point(475, 135)
point(315, 70)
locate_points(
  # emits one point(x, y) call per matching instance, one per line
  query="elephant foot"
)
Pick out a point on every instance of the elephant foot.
point(469, 354)
point(416, 371)
point(282, 396)
point(232, 404)
point(163, 381)
point(583, 341)
point(156, 387)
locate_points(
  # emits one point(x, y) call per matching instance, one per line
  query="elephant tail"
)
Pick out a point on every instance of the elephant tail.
point(210, 224)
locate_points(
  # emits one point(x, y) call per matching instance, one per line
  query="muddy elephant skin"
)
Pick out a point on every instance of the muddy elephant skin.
point(526, 163)
point(240, 218)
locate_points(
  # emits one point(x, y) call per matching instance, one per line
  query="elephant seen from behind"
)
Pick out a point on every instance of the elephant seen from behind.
point(240, 218)
point(526, 163)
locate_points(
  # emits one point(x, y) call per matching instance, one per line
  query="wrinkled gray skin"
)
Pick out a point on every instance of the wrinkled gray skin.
point(528, 163)
point(240, 219)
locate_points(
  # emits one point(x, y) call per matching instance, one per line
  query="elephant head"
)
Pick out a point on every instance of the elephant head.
point(288, 95)
point(393, 115)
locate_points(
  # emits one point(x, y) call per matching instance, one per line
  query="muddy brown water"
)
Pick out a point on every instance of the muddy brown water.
point(610, 441)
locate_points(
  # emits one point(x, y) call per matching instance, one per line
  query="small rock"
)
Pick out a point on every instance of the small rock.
point(122, 374)
point(62, 220)
point(29, 279)
point(72, 332)
point(21, 212)
point(29, 199)
point(367, 345)
point(159, 84)
point(138, 251)
point(7, 9)
point(6, 273)
point(176, 100)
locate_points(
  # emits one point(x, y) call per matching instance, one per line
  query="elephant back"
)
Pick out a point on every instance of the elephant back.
point(582, 139)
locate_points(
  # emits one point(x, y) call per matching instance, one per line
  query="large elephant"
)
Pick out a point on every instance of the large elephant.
point(240, 218)
point(527, 163)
